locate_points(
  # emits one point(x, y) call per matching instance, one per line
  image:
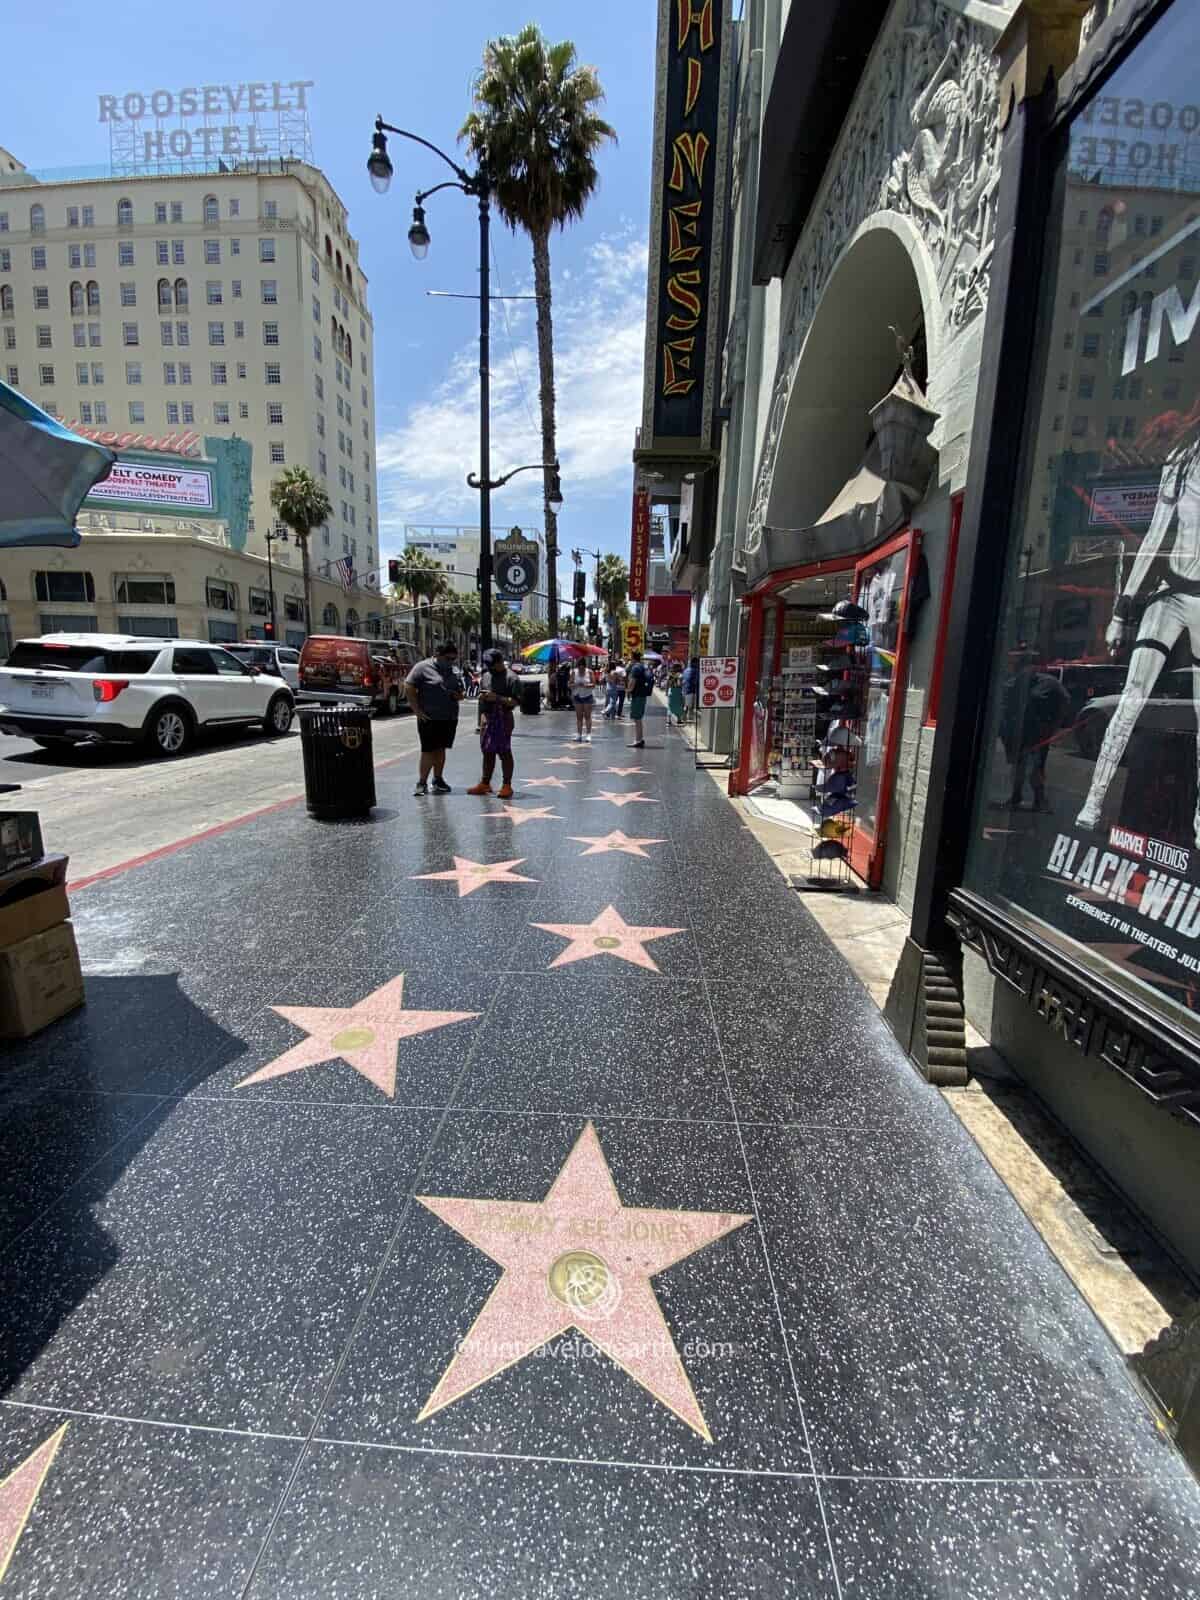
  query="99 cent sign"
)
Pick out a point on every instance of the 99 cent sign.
point(515, 563)
point(718, 680)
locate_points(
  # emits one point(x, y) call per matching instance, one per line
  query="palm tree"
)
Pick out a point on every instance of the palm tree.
point(421, 578)
point(612, 585)
point(535, 132)
point(300, 502)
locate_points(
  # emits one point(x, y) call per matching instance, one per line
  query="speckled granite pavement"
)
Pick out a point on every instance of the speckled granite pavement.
point(482, 1202)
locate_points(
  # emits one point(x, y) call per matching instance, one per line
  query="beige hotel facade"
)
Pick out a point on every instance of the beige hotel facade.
point(165, 314)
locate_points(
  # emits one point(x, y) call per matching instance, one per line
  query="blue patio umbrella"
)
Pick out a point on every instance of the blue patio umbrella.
point(45, 472)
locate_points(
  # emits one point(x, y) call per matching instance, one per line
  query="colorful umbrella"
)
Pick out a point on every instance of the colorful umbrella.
point(553, 649)
point(45, 472)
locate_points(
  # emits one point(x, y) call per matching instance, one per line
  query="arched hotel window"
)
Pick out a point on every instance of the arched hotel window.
point(329, 617)
point(351, 620)
point(328, 248)
point(349, 348)
point(124, 213)
point(181, 294)
point(349, 275)
point(6, 299)
point(333, 332)
point(211, 212)
point(93, 295)
point(164, 296)
point(76, 297)
point(37, 219)
point(337, 256)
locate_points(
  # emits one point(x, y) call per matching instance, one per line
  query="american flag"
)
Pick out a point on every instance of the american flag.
point(345, 569)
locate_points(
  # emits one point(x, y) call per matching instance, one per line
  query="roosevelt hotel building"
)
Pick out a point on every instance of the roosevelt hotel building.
point(207, 304)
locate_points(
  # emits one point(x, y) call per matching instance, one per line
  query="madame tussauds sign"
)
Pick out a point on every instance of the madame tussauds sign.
point(228, 114)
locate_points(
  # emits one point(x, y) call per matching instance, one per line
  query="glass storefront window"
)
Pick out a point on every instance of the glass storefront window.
point(760, 734)
point(1088, 821)
point(881, 594)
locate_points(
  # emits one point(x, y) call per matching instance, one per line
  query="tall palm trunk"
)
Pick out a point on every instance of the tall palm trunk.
point(306, 578)
point(545, 340)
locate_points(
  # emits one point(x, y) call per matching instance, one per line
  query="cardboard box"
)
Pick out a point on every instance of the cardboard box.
point(20, 839)
point(40, 981)
point(33, 913)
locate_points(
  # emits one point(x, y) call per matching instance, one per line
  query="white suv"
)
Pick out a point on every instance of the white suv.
point(102, 688)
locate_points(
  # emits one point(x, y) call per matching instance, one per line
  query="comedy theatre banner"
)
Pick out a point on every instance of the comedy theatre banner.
point(687, 199)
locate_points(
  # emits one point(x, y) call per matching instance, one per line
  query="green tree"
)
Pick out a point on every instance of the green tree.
point(612, 586)
point(421, 578)
point(535, 131)
point(300, 502)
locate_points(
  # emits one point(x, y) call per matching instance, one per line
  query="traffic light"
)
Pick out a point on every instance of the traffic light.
point(593, 623)
point(394, 570)
point(580, 590)
point(580, 612)
point(269, 630)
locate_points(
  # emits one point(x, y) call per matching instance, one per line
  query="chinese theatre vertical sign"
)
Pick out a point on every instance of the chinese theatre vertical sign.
point(688, 189)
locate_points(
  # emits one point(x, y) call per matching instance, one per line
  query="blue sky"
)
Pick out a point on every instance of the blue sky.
point(416, 68)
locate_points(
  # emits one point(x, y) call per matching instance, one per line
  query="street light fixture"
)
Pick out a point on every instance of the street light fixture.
point(379, 163)
point(418, 234)
point(275, 538)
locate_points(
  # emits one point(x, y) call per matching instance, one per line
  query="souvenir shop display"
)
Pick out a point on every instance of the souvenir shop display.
point(840, 668)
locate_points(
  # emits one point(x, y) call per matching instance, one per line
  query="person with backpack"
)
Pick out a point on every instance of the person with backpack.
point(640, 685)
point(499, 696)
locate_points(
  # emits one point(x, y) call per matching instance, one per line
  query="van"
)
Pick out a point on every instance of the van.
point(370, 671)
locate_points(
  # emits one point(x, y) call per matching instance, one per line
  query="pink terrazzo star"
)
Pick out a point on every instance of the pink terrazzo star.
point(549, 783)
point(472, 875)
point(625, 772)
point(616, 840)
point(635, 797)
point(608, 935)
point(365, 1035)
point(559, 761)
point(19, 1491)
point(519, 814)
point(577, 1259)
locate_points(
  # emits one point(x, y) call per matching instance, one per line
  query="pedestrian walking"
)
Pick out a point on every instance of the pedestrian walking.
point(640, 685)
point(433, 689)
point(499, 696)
point(690, 684)
point(562, 679)
point(675, 697)
point(616, 690)
point(583, 696)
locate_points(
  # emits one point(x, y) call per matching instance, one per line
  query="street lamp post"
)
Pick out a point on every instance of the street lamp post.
point(276, 538)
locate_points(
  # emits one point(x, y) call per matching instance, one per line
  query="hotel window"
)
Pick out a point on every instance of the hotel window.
point(37, 257)
point(275, 413)
point(78, 335)
point(270, 333)
point(52, 410)
point(241, 369)
point(211, 212)
point(69, 588)
point(129, 294)
point(342, 476)
point(6, 299)
point(270, 208)
point(182, 336)
point(266, 249)
point(319, 387)
point(89, 216)
point(181, 294)
point(322, 464)
point(41, 298)
point(97, 372)
point(172, 413)
point(178, 256)
point(37, 219)
point(160, 211)
point(166, 333)
point(277, 455)
point(133, 372)
point(137, 411)
point(212, 293)
point(270, 292)
point(3, 221)
point(125, 253)
point(124, 213)
point(14, 377)
point(129, 333)
point(85, 411)
point(176, 210)
point(10, 338)
point(243, 410)
point(212, 252)
point(188, 412)
point(337, 371)
point(94, 335)
point(101, 410)
point(74, 256)
point(341, 408)
point(316, 309)
point(235, 288)
point(221, 411)
point(89, 255)
point(81, 372)
point(72, 216)
point(235, 208)
point(169, 372)
point(163, 293)
point(320, 424)
point(239, 330)
point(218, 373)
point(162, 252)
point(235, 247)
point(272, 372)
point(185, 372)
point(314, 267)
point(1091, 344)
point(216, 333)
point(220, 596)
point(142, 591)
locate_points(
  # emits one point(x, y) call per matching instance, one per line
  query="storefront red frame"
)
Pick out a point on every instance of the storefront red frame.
point(867, 849)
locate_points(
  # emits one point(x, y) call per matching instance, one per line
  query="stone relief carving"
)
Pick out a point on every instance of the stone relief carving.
point(920, 140)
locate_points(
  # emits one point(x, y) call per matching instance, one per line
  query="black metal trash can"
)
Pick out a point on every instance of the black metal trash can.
point(531, 697)
point(339, 764)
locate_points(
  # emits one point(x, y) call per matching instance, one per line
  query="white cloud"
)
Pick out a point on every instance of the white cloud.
point(599, 339)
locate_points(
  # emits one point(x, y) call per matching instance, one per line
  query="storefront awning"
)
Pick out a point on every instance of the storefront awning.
point(863, 513)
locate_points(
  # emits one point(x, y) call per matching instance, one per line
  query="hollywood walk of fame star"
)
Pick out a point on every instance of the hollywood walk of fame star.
point(549, 783)
point(577, 1259)
point(559, 761)
point(365, 1036)
point(19, 1490)
point(472, 875)
point(601, 844)
point(634, 797)
point(519, 814)
point(606, 935)
point(625, 772)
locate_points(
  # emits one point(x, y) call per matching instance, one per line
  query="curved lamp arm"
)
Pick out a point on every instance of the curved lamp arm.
point(464, 178)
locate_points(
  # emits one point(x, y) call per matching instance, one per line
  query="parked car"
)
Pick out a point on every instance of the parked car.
point(1170, 710)
point(369, 671)
point(102, 688)
point(276, 660)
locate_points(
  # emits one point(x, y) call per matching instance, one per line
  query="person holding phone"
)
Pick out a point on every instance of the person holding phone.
point(499, 696)
point(583, 698)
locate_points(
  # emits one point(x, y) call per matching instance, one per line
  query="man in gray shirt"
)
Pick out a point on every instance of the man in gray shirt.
point(434, 688)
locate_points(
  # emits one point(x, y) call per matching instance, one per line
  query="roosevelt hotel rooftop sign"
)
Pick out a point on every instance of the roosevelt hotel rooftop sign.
point(202, 125)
